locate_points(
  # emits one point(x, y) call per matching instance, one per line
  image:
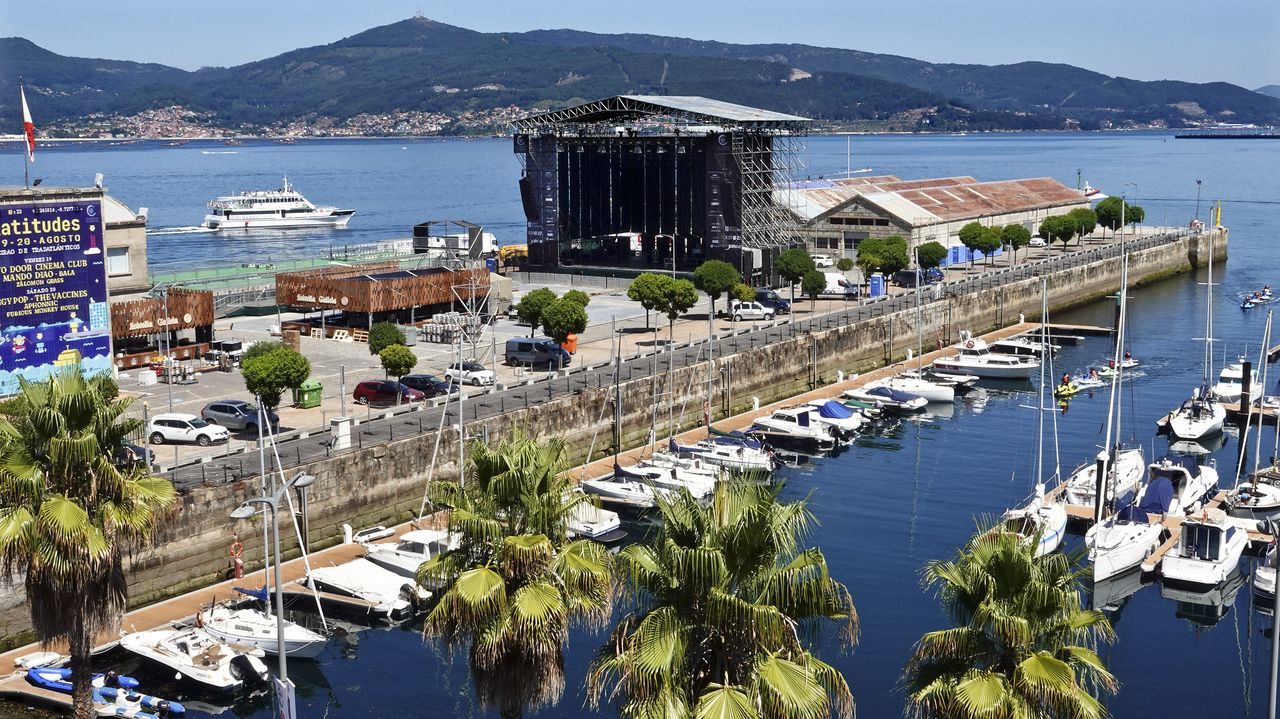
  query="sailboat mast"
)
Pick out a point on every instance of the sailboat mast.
point(1105, 466)
point(711, 362)
point(1208, 319)
point(1040, 408)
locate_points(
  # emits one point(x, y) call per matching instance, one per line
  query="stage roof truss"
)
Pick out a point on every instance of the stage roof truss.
point(677, 109)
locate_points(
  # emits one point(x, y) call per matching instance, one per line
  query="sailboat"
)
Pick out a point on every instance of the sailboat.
point(1121, 541)
point(1201, 415)
point(1044, 523)
point(1257, 498)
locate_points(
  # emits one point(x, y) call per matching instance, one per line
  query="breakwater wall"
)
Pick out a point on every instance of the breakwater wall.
point(385, 483)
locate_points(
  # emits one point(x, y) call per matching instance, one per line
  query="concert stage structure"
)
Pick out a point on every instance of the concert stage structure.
point(658, 182)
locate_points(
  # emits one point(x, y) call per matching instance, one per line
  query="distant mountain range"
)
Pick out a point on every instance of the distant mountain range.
point(419, 65)
point(1269, 90)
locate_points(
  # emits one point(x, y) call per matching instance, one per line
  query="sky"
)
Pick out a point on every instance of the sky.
point(1236, 41)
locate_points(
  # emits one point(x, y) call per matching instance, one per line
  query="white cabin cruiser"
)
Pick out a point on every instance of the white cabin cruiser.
point(977, 359)
point(1197, 417)
point(1230, 385)
point(796, 425)
point(412, 549)
point(387, 594)
point(281, 209)
point(927, 390)
point(588, 521)
point(1039, 522)
point(670, 477)
point(246, 626)
point(736, 454)
point(196, 655)
point(1129, 470)
point(843, 421)
point(960, 383)
point(622, 489)
point(1022, 346)
point(1122, 542)
point(1208, 550)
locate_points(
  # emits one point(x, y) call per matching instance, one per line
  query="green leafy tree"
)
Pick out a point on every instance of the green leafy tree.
point(715, 278)
point(678, 297)
point(812, 284)
point(562, 318)
point(530, 307)
point(792, 265)
point(270, 374)
point(743, 292)
point(844, 264)
point(868, 263)
point(516, 584)
point(397, 360)
point(381, 336)
point(1022, 644)
point(582, 299)
point(1058, 228)
point(257, 349)
point(1085, 220)
point(1015, 237)
point(931, 254)
point(1108, 213)
point(648, 289)
point(892, 252)
point(718, 598)
point(971, 236)
point(988, 243)
point(70, 513)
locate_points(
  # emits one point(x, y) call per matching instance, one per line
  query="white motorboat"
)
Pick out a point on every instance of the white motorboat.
point(621, 489)
point(588, 521)
point(1039, 522)
point(1122, 542)
point(976, 358)
point(1230, 385)
point(733, 453)
point(796, 425)
point(959, 383)
point(887, 398)
point(842, 420)
point(1208, 550)
point(1197, 417)
point(384, 592)
point(1022, 346)
point(927, 390)
point(412, 549)
point(670, 477)
point(1177, 486)
point(280, 209)
point(1129, 470)
point(197, 655)
point(251, 627)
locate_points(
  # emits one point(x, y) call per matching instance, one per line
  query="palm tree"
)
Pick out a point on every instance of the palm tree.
point(70, 511)
point(1023, 646)
point(723, 607)
point(516, 583)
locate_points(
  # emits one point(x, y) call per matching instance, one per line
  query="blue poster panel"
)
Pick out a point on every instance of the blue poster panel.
point(53, 291)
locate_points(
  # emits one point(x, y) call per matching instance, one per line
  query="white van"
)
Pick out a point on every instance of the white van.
point(838, 284)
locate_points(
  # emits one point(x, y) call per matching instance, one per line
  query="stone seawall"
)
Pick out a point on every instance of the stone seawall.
point(385, 484)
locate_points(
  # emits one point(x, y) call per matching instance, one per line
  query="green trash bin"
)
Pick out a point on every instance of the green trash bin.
point(308, 395)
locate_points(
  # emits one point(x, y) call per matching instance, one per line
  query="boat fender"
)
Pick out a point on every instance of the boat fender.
point(968, 344)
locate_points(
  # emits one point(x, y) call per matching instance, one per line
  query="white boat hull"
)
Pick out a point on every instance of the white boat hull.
point(1117, 547)
point(988, 371)
point(252, 628)
point(1185, 425)
point(1204, 572)
point(209, 662)
point(336, 219)
point(924, 389)
point(1082, 485)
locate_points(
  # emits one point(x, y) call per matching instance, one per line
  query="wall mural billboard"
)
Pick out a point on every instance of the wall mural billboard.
point(53, 291)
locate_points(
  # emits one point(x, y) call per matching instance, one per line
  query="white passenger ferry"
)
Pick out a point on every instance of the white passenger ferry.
point(278, 209)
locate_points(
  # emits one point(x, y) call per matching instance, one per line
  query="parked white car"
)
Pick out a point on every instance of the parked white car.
point(185, 428)
point(821, 261)
point(750, 311)
point(469, 373)
point(1036, 241)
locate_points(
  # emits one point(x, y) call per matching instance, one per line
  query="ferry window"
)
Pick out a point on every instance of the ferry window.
point(117, 261)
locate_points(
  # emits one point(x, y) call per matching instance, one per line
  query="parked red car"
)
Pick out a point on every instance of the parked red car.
point(385, 392)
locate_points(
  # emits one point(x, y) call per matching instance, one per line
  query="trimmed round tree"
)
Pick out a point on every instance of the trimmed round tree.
point(678, 297)
point(1109, 213)
point(812, 284)
point(381, 336)
point(530, 307)
point(1058, 228)
point(270, 374)
point(582, 298)
point(1086, 220)
point(562, 318)
point(1015, 236)
point(845, 264)
point(971, 236)
point(716, 277)
point(792, 265)
point(743, 292)
point(648, 289)
point(930, 254)
point(397, 360)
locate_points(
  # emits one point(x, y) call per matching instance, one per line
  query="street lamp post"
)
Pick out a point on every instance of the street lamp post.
point(284, 690)
point(1198, 199)
point(1135, 199)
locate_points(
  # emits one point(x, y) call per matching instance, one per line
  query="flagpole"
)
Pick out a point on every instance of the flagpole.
point(26, 165)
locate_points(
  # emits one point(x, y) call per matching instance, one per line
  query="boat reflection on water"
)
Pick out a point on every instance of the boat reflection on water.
point(1199, 447)
point(1204, 608)
point(1111, 594)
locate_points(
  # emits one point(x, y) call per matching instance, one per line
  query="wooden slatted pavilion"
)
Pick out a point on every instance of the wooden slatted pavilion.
point(379, 291)
point(138, 326)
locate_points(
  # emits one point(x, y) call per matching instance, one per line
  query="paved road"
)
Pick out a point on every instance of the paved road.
point(401, 423)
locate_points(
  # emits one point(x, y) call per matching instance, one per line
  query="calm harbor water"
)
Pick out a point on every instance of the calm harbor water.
point(887, 504)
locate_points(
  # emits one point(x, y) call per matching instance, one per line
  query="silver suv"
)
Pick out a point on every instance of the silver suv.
point(237, 414)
